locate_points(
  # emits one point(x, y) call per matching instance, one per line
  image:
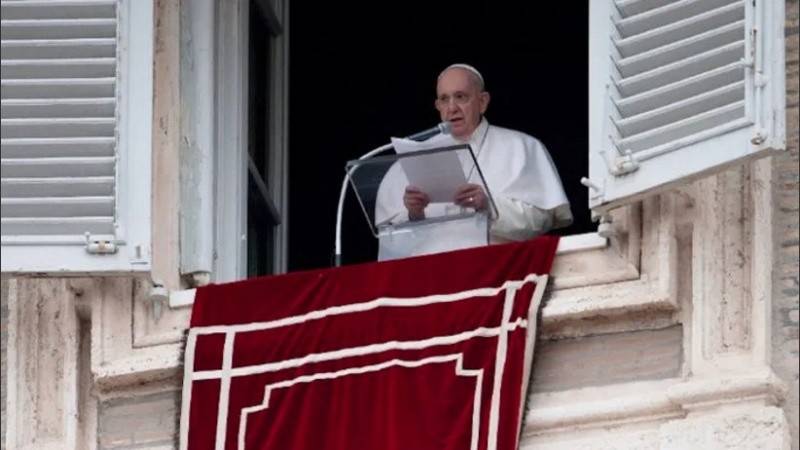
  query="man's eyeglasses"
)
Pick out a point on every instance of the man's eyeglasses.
point(460, 98)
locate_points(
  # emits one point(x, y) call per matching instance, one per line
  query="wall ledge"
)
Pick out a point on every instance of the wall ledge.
point(648, 401)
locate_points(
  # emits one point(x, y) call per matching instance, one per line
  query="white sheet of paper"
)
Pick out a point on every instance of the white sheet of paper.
point(436, 174)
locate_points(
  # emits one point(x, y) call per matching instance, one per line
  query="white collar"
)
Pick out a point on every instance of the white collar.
point(478, 137)
point(477, 134)
point(476, 140)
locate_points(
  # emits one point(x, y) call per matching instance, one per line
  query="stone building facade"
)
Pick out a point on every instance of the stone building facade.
point(680, 333)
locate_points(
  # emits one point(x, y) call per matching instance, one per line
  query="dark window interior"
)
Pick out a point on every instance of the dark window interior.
point(260, 223)
point(362, 72)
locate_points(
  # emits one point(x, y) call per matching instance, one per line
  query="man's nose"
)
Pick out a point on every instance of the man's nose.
point(452, 106)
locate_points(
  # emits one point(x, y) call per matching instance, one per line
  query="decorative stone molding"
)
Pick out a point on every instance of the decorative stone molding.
point(756, 428)
point(732, 271)
point(43, 365)
point(600, 407)
point(648, 401)
point(722, 300)
point(109, 321)
point(72, 341)
point(124, 351)
point(762, 386)
point(632, 283)
point(616, 262)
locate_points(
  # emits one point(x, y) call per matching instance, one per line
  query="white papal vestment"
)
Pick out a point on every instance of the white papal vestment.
point(521, 178)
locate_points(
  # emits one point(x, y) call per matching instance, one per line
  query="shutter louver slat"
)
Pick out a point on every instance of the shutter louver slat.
point(679, 91)
point(67, 167)
point(677, 130)
point(58, 107)
point(682, 49)
point(58, 28)
point(679, 71)
point(58, 225)
point(678, 110)
point(666, 14)
point(681, 30)
point(60, 9)
point(54, 48)
point(58, 68)
point(58, 88)
point(58, 207)
point(59, 111)
point(57, 187)
point(72, 127)
point(57, 147)
point(633, 7)
point(672, 73)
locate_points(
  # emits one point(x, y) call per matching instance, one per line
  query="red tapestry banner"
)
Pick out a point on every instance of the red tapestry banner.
point(424, 353)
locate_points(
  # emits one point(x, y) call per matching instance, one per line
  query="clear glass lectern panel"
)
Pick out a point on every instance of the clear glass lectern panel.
point(380, 184)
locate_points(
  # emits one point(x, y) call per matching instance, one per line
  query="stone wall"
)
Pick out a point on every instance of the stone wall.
point(786, 237)
point(145, 415)
point(3, 358)
point(141, 421)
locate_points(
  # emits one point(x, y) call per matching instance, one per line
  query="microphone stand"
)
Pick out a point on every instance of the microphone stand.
point(443, 127)
point(337, 252)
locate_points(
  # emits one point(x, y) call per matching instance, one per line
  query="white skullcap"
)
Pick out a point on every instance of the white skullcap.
point(465, 67)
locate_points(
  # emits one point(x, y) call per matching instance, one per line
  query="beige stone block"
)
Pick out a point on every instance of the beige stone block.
point(143, 421)
point(757, 428)
point(607, 359)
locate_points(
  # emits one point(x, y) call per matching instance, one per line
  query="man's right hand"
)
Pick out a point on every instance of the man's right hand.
point(415, 202)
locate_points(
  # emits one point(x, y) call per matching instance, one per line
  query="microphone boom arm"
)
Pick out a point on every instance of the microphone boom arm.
point(338, 243)
point(442, 128)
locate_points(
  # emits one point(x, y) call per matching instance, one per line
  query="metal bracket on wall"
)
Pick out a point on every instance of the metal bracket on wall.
point(624, 164)
point(159, 297)
point(98, 246)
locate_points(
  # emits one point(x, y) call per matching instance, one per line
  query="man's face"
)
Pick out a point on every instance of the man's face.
point(460, 101)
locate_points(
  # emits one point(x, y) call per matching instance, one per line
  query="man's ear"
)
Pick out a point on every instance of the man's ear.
point(485, 98)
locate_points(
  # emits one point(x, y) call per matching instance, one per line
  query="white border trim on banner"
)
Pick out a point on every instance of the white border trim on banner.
point(370, 305)
point(227, 371)
point(459, 370)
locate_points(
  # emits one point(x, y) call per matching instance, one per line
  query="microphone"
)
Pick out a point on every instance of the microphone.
point(442, 128)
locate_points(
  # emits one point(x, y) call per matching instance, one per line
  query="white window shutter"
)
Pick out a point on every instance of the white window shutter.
point(76, 135)
point(679, 89)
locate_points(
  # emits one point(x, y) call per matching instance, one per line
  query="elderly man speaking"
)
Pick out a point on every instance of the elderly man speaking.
point(517, 169)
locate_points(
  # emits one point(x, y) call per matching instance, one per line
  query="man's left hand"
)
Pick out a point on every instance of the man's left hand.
point(471, 196)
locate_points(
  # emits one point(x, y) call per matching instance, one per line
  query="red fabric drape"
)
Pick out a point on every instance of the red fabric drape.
point(420, 353)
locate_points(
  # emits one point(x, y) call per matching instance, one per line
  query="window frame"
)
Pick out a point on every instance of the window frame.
point(231, 121)
point(133, 185)
point(704, 155)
